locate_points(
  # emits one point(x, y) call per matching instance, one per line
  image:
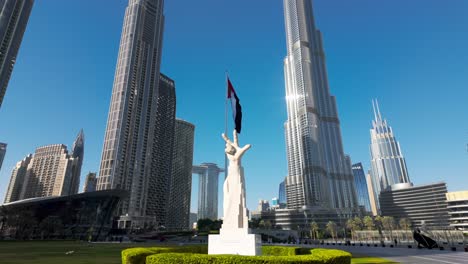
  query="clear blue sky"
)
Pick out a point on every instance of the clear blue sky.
point(411, 55)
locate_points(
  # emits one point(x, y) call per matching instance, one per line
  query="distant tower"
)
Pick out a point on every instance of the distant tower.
point(90, 183)
point(128, 158)
point(319, 174)
point(388, 166)
point(3, 148)
point(207, 190)
point(17, 180)
point(14, 16)
point(361, 187)
point(282, 193)
point(77, 156)
point(178, 213)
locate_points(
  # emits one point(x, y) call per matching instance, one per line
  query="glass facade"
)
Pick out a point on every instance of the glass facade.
point(129, 157)
point(388, 166)
point(13, 21)
point(3, 149)
point(361, 186)
point(319, 174)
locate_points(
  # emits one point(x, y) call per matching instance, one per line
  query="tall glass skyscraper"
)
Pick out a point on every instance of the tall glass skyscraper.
point(180, 190)
point(388, 166)
point(3, 148)
point(14, 16)
point(361, 187)
point(319, 174)
point(128, 155)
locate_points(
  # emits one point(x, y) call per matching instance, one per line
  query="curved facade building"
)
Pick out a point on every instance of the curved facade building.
point(424, 205)
point(361, 187)
point(388, 166)
point(457, 203)
point(319, 174)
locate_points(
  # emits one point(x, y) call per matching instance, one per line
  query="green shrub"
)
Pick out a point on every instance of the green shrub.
point(138, 255)
point(281, 251)
point(170, 258)
point(199, 254)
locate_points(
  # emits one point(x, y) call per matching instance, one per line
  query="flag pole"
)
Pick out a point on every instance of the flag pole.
point(226, 122)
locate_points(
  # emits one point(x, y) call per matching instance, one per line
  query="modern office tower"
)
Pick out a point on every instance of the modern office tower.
point(3, 148)
point(90, 183)
point(282, 193)
point(263, 205)
point(372, 198)
point(17, 180)
point(457, 203)
point(319, 174)
point(193, 219)
point(14, 16)
point(388, 166)
point(424, 205)
point(180, 191)
point(208, 174)
point(76, 163)
point(361, 187)
point(128, 160)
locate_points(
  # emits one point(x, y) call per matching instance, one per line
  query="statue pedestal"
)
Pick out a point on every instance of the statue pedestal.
point(235, 242)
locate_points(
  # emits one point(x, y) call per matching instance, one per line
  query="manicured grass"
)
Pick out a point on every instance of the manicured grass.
point(369, 260)
point(51, 252)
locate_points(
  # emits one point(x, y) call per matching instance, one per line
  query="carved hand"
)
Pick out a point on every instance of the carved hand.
point(233, 151)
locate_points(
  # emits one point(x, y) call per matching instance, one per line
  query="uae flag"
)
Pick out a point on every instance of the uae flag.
point(236, 107)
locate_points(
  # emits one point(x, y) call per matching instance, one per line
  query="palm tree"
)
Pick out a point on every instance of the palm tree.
point(388, 223)
point(314, 229)
point(351, 226)
point(368, 223)
point(332, 228)
point(405, 223)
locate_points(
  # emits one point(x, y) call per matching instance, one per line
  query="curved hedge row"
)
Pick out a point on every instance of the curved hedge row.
point(198, 254)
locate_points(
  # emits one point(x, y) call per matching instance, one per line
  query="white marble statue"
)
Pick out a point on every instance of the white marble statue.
point(234, 236)
point(235, 211)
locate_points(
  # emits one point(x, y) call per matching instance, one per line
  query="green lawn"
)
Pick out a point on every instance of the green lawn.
point(357, 259)
point(51, 252)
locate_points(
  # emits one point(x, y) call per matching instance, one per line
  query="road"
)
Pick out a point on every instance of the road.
point(408, 255)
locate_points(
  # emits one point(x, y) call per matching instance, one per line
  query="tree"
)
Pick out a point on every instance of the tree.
point(388, 223)
point(314, 228)
point(267, 224)
point(350, 226)
point(405, 223)
point(368, 223)
point(332, 228)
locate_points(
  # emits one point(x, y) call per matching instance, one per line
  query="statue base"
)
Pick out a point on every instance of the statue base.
point(235, 242)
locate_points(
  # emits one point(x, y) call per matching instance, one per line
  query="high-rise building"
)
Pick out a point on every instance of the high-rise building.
point(372, 198)
point(388, 166)
point(3, 148)
point(90, 183)
point(178, 213)
point(51, 171)
point(282, 193)
point(424, 205)
point(319, 173)
point(263, 206)
point(76, 163)
point(17, 180)
point(14, 16)
point(208, 174)
point(361, 187)
point(129, 158)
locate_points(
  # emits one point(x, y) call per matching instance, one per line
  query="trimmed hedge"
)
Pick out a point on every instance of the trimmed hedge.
point(284, 251)
point(199, 254)
point(138, 255)
point(322, 257)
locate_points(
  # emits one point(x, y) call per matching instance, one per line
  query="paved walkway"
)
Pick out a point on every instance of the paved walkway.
point(408, 255)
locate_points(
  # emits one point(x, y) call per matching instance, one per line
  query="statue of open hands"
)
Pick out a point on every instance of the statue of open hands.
point(233, 151)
